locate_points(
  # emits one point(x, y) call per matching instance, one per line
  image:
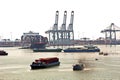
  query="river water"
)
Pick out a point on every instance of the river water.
point(16, 66)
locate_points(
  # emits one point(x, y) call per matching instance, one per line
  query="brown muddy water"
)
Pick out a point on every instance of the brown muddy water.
point(16, 66)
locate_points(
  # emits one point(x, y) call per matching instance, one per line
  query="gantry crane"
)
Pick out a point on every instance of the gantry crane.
point(110, 33)
point(70, 27)
point(61, 36)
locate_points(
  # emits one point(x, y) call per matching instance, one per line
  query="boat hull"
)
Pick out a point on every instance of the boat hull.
point(3, 53)
point(40, 66)
point(78, 67)
point(47, 50)
point(87, 50)
point(42, 45)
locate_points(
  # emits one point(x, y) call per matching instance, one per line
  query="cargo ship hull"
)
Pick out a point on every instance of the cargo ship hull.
point(38, 45)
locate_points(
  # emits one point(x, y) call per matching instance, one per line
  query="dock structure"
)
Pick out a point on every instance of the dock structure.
point(110, 34)
point(63, 36)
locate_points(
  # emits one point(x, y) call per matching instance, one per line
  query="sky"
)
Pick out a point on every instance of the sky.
point(90, 16)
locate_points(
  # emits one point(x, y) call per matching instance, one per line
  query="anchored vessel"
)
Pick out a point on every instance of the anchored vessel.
point(33, 40)
point(87, 48)
point(45, 62)
point(48, 50)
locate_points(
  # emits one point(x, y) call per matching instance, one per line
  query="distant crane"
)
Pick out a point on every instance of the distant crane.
point(110, 32)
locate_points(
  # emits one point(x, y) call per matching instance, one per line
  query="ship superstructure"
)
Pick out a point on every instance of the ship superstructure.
point(33, 40)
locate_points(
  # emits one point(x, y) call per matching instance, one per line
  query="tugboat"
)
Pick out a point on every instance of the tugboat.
point(45, 62)
point(2, 52)
point(77, 67)
point(33, 40)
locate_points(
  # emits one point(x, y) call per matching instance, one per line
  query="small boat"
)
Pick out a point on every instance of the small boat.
point(45, 62)
point(79, 66)
point(100, 53)
point(47, 50)
point(88, 48)
point(103, 53)
point(2, 52)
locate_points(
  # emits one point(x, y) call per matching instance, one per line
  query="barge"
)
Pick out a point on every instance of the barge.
point(48, 50)
point(83, 49)
point(45, 63)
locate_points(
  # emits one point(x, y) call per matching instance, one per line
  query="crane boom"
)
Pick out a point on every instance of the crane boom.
point(63, 27)
point(55, 26)
point(70, 27)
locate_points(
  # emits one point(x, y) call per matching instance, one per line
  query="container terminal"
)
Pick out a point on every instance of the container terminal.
point(64, 36)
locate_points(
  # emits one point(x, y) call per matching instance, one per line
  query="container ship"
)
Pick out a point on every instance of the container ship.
point(33, 40)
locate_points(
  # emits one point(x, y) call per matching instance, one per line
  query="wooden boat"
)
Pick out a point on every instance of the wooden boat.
point(48, 50)
point(83, 49)
point(45, 62)
point(2, 52)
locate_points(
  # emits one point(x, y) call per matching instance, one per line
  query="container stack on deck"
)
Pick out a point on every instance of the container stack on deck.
point(47, 60)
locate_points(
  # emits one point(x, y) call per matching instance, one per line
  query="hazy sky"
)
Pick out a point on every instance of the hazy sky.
point(90, 16)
